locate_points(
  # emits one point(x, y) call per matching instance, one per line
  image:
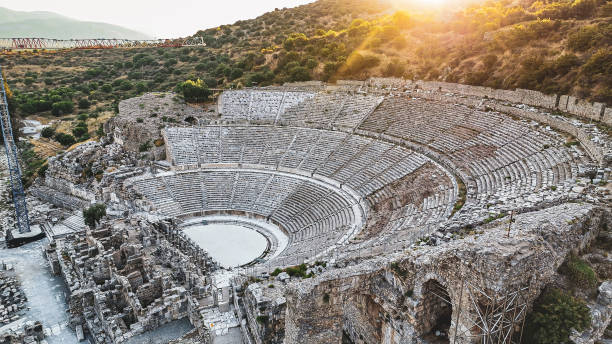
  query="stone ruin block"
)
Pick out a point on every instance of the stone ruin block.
point(535, 98)
point(581, 108)
point(607, 116)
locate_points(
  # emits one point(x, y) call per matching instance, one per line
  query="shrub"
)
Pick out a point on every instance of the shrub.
point(581, 274)
point(47, 132)
point(299, 73)
point(82, 117)
point(84, 103)
point(93, 214)
point(100, 131)
point(107, 88)
point(79, 131)
point(584, 38)
point(144, 147)
point(564, 63)
point(554, 314)
point(64, 139)
point(599, 63)
point(194, 91)
point(62, 107)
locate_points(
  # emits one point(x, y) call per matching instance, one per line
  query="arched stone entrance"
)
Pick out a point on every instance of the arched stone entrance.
point(436, 312)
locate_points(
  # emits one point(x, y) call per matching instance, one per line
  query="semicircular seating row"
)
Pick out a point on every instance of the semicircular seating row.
point(321, 109)
point(508, 159)
point(313, 215)
point(364, 164)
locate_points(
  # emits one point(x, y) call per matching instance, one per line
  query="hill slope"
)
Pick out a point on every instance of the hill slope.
point(51, 25)
point(559, 46)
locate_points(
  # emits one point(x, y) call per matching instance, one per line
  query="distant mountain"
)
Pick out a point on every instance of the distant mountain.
point(52, 25)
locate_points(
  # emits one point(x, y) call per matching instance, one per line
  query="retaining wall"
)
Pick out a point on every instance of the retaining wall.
point(577, 107)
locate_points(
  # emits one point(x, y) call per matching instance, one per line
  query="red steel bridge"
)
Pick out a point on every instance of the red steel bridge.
point(99, 43)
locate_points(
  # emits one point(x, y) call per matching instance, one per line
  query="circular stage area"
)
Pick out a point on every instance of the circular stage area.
point(234, 241)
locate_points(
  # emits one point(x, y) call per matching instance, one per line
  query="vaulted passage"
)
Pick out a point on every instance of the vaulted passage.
point(437, 312)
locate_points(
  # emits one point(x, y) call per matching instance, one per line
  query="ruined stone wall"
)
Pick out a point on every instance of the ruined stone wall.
point(565, 103)
point(388, 299)
point(265, 314)
point(140, 120)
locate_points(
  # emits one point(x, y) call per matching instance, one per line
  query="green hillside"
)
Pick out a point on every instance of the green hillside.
point(51, 25)
point(556, 47)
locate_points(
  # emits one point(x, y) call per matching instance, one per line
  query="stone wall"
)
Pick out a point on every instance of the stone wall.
point(389, 300)
point(577, 107)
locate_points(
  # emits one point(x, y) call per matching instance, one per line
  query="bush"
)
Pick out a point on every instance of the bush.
point(584, 38)
point(580, 273)
point(554, 314)
point(64, 139)
point(564, 63)
point(194, 91)
point(47, 132)
point(299, 73)
point(599, 63)
point(62, 108)
point(144, 147)
point(100, 131)
point(106, 88)
point(79, 131)
point(84, 103)
point(93, 214)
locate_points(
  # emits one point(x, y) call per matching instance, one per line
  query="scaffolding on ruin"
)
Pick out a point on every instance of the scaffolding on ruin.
point(497, 318)
point(19, 198)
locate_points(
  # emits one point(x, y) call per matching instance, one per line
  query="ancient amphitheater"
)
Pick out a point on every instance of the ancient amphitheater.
point(422, 212)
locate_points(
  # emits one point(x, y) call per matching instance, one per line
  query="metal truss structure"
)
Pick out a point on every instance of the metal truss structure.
point(101, 43)
point(21, 210)
point(498, 319)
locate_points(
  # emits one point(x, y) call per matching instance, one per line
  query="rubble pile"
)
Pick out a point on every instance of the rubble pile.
point(12, 298)
point(127, 278)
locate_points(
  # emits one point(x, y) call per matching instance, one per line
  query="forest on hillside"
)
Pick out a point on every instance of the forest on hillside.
point(553, 46)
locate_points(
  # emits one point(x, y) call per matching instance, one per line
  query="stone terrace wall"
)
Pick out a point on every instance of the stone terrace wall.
point(577, 107)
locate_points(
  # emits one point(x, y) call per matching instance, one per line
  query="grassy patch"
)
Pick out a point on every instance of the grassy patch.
point(580, 273)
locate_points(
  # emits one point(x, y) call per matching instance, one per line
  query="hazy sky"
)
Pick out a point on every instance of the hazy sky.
point(159, 18)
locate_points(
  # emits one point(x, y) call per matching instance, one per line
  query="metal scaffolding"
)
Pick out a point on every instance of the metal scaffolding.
point(498, 319)
point(98, 43)
point(21, 210)
point(494, 318)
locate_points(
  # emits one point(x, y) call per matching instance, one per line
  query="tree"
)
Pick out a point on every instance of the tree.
point(194, 91)
point(47, 132)
point(299, 74)
point(64, 139)
point(79, 131)
point(554, 314)
point(62, 107)
point(93, 214)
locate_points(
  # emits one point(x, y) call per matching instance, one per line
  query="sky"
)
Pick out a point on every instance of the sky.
point(158, 18)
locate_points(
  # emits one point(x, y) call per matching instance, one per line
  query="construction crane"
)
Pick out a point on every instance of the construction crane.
point(98, 43)
point(21, 210)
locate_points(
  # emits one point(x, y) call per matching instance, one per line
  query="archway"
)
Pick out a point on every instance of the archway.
point(436, 312)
